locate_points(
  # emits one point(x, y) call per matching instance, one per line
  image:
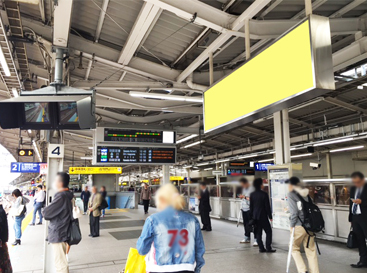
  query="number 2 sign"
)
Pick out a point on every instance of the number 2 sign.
point(55, 150)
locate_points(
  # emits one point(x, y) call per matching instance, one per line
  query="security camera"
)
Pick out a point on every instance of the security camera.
point(315, 166)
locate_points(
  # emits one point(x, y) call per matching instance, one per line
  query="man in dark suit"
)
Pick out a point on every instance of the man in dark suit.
point(204, 207)
point(358, 215)
point(260, 212)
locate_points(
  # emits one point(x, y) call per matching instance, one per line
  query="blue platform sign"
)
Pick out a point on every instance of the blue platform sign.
point(261, 167)
point(24, 167)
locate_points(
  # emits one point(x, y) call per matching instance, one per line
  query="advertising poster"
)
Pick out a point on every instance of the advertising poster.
point(194, 205)
point(279, 197)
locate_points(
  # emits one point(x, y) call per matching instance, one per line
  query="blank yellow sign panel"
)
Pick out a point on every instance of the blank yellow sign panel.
point(281, 71)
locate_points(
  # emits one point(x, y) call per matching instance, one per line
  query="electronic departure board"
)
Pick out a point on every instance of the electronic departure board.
point(234, 172)
point(135, 155)
point(139, 136)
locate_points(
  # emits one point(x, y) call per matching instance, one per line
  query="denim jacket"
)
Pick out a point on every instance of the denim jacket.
point(172, 241)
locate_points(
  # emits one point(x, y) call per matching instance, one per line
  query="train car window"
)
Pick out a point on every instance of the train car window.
point(185, 190)
point(214, 191)
point(342, 195)
point(227, 191)
point(320, 194)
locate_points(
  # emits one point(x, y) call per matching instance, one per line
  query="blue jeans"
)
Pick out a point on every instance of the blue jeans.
point(103, 212)
point(37, 207)
point(18, 226)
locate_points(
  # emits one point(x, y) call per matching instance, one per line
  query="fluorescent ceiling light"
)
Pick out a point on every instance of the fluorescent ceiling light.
point(188, 167)
point(222, 160)
point(165, 97)
point(196, 170)
point(208, 169)
point(303, 155)
point(86, 157)
point(203, 164)
point(90, 148)
point(266, 160)
point(347, 149)
point(186, 138)
point(15, 92)
point(193, 144)
point(333, 141)
point(29, 131)
point(4, 63)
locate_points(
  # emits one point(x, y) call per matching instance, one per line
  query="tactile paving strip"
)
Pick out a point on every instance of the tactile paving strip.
point(122, 224)
point(126, 235)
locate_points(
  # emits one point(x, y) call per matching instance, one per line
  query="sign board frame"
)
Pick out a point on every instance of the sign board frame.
point(303, 54)
point(95, 170)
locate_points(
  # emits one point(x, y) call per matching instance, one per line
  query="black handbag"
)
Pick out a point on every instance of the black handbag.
point(75, 236)
point(352, 240)
point(104, 204)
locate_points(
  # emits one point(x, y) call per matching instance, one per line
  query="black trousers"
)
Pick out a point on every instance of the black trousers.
point(246, 220)
point(264, 224)
point(205, 219)
point(360, 230)
point(85, 203)
point(146, 205)
point(94, 225)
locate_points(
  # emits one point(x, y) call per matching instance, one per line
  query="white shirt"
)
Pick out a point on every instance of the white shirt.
point(354, 204)
point(40, 196)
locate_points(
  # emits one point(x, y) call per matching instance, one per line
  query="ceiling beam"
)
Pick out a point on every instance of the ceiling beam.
point(315, 5)
point(198, 12)
point(148, 14)
point(349, 55)
point(41, 6)
point(347, 8)
point(146, 119)
point(62, 21)
point(250, 12)
point(270, 8)
point(346, 105)
point(101, 18)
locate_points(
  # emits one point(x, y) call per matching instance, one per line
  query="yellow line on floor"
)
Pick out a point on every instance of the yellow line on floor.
point(26, 221)
point(116, 210)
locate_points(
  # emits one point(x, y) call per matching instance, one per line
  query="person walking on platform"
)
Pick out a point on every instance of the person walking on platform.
point(247, 189)
point(59, 212)
point(5, 264)
point(171, 239)
point(260, 212)
point(296, 192)
point(39, 200)
point(204, 207)
point(20, 215)
point(94, 212)
point(358, 215)
point(145, 196)
point(85, 198)
point(104, 196)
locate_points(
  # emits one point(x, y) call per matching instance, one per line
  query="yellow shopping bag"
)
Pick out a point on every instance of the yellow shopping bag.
point(135, 262)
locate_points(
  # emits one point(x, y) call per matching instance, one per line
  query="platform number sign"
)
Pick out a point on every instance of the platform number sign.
point(56, 150)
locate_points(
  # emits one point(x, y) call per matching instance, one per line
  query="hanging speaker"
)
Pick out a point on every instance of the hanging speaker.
point(310, 149)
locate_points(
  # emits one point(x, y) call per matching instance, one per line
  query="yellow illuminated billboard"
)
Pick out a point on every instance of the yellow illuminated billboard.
point(277, 78)
point(95, 170)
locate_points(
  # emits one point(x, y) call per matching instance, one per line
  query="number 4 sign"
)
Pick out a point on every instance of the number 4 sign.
point(55, 150)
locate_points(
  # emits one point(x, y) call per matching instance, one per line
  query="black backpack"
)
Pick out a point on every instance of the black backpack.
point(313, 221)
point(103, 205)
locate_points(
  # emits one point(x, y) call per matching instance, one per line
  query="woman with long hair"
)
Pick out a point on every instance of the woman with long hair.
point(172, 239)
point(19, 201)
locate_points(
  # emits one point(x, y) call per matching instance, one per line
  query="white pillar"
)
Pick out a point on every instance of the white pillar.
point(166, 175)
point(188, 171)
point(286, 137)
point(55, 161)
point(329, 166)
point(281, 137)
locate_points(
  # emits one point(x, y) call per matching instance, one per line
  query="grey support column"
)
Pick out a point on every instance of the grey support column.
point(281, 137)
point(166, 175)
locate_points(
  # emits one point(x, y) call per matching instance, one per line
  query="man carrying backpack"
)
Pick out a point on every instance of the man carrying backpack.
point(298, 198)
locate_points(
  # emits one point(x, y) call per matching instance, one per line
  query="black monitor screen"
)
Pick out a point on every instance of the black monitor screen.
point(37, 112)
point(68, 112)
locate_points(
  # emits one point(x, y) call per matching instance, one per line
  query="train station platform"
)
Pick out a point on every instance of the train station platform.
point(121, 228)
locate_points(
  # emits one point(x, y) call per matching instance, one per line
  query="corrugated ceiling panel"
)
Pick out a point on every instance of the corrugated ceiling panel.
point(85, 16)
point(125, 14)
point(170, 36)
